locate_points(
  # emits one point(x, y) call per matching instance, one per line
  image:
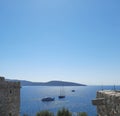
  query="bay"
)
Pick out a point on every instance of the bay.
point(78, 101)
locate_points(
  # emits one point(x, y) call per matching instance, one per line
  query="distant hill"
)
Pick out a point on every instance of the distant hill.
point(50, 83)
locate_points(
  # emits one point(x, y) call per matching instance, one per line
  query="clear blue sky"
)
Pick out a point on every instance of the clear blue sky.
point(69, 40)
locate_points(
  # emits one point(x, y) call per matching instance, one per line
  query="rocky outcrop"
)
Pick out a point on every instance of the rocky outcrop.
point(108, 103)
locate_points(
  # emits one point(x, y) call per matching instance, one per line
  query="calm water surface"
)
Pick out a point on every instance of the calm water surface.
point(78, 101)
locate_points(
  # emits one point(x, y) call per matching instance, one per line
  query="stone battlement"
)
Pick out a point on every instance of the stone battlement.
point(9, 98)
point(8, 84)
point(108, 103)
point(2, 78)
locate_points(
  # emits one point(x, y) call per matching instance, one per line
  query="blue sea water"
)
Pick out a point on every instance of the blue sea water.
point(78, 101)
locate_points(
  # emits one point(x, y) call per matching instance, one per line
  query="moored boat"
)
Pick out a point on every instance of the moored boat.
point(47, 99)
point(73, 90)
point(61, 96)
point(62, 93)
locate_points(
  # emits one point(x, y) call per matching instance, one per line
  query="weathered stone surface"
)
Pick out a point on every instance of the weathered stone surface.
point(111, 106)
point(9, 98)
point(98, 101)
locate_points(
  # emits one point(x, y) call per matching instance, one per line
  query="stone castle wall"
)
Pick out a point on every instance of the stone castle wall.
point(9, 98)
point(108, 103)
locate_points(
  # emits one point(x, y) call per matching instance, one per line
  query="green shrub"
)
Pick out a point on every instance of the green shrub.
point(64, 112)
point(45, 113)
point(81, 114)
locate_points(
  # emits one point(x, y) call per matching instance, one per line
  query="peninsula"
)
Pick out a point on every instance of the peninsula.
point(50, 83)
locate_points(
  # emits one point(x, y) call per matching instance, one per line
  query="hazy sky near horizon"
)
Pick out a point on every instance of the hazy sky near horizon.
point(69, 40)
